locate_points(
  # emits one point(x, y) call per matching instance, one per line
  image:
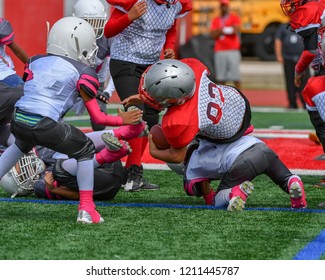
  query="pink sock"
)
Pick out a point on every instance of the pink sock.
point(127, 132)
point(87, 204)
point(105, 155)
point(208, 198)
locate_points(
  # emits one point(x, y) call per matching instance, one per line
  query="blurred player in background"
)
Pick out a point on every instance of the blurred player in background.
point(53, 82)
point(307, 18)
point(143, 31)
point(11, 85)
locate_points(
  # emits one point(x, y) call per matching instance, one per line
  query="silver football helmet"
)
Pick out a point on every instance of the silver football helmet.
point(74, 38)
point(92, 11)
point(166, 83)
point(19, 181)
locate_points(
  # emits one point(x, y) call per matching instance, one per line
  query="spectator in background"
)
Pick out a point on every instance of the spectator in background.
point(225, 30)
point(143, 30)
point(288, 48)
point(11, 85)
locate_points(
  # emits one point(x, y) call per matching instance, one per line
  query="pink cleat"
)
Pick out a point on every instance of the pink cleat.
point(89, 217)
point(297, 193)
point(239, 195)
point(114, 150)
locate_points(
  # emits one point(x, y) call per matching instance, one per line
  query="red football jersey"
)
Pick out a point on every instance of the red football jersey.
point(215, 111)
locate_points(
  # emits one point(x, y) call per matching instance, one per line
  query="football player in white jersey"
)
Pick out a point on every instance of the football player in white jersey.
point(142, 31)
point(11, 85)
point(53, 82)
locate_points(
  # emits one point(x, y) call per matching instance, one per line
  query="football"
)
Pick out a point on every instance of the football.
point(158, 137)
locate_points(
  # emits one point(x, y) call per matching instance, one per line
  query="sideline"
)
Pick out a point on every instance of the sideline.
point(153, 205)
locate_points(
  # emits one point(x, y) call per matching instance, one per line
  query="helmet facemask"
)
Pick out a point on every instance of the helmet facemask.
point(20, 179)
point(87, 57)
point(93, 11)
point(289, 6)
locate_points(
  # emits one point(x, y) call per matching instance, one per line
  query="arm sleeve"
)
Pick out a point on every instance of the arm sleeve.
point(116, 23)
point(98, 117)
point(305, 59)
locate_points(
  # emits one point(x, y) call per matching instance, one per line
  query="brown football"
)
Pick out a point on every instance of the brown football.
point(158, 137)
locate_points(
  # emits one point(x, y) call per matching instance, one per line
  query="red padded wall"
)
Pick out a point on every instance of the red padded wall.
point(28, 19)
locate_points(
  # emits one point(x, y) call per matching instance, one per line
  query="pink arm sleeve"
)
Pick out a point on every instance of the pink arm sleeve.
point(99, 117)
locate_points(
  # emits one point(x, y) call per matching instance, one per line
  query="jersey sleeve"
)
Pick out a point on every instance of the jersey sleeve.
point(313, 87)
point(123, 5)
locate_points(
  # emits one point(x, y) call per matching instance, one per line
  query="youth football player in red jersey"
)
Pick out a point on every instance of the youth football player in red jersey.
point(218, 116)
point(306, 20)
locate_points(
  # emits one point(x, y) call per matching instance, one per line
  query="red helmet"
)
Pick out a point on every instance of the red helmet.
point(166, 2)
point(289, 6)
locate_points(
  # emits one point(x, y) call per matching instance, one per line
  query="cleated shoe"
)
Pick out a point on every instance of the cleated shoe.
point(297, 193)
point(131, 108)
point(112, 143)
point(114, 149)
point(238, 196)
point(134, 178)
point(236, 204)
point(92, 217)
point(136, 182)
point(146, 186)
point(243, 190)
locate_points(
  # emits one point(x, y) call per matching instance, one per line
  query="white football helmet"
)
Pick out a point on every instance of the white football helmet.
point(19, 181)
point(92, 11)
point(74, 38)
point(166, 83)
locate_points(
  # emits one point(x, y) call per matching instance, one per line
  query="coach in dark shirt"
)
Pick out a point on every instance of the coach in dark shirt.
point(288, 48)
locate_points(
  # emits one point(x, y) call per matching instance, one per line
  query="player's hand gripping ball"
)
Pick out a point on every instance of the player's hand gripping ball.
point(158, 137)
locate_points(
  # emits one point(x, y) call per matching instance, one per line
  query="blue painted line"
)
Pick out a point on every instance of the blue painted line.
point(313, 250)
point(157, 205)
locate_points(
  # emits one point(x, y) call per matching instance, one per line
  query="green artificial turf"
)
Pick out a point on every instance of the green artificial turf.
point(266, 230)
point(38, 231)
